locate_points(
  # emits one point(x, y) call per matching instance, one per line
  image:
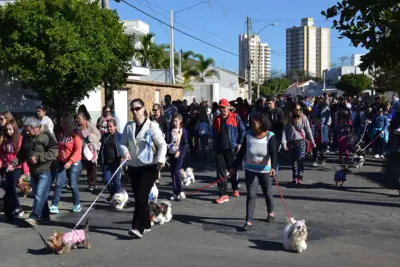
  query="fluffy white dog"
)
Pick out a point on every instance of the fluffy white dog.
point(119, 199)
point(187, 176)
point(294, 236)
point(153, 196)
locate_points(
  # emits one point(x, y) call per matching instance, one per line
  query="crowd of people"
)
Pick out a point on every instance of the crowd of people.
point(241, 132)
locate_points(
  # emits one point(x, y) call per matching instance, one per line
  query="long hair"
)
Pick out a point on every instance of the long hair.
point(15, 137)
point(9, 117)
point(69, 127)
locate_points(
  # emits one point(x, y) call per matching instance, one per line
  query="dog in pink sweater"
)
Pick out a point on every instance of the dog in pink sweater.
point(62, 243)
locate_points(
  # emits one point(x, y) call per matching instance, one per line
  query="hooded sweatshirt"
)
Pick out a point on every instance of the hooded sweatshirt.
point(7, 155)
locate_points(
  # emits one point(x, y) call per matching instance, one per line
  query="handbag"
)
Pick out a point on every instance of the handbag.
point(308, 143)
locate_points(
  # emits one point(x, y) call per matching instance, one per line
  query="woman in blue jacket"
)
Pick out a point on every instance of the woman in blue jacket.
point(110, 157)
point(379, 130)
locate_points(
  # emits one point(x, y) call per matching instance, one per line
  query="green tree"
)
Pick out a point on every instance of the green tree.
point(274, 86)
point(354, 84)
point(63, 49)
point(151, 54)
point(300, 76)
point(372, 24)
point(387, 79)
point(202, 69)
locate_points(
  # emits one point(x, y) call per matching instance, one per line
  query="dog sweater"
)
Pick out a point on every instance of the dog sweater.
point(74, 236)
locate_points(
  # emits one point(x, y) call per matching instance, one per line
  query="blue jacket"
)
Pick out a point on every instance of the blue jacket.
point(236, 130)
point(104, 137)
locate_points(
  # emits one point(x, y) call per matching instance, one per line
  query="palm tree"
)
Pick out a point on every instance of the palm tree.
point(151, 54)
point(202, 70)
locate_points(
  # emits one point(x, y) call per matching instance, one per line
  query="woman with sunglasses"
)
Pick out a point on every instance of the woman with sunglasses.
point(296, 132)
point(157, 115)
point(144, 162)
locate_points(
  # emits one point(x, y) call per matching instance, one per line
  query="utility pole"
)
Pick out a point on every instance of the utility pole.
point(108, 90)
point(180, 65)
point(248, 59)
point(171, 49)
point(259, 69)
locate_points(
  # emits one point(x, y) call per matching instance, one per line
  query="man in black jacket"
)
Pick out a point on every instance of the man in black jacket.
point(275, 115)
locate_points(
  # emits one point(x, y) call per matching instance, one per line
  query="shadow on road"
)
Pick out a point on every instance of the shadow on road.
point(266, 245)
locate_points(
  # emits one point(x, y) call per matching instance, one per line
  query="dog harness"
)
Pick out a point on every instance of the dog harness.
point(74, 236)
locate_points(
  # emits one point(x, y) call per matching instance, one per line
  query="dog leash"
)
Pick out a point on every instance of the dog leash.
point(282, 200)
point(213, 183)
point(370, 143)
point(362, 136)
point(101, 192)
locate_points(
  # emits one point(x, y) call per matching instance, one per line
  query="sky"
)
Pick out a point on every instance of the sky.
point(220, 22)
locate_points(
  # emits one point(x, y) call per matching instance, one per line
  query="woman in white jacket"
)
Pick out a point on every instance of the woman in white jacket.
point(144, 161)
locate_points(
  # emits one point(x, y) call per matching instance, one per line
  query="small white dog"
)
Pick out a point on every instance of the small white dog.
point(187, 176)
point(119, 199)
point(359, 157)
point(153, 196)
point(160, 213)
point(294, 236)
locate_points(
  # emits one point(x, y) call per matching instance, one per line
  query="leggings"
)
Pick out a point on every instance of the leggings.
point(298, 153)
point(254, 179)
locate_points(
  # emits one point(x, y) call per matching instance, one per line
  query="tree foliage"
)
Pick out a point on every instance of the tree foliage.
point(150, 54)
point(300, 76)
point(354, 84)
point(202, 70)
point(373, 24)
point(274, 86)
point(63, 49)
point(387, 79)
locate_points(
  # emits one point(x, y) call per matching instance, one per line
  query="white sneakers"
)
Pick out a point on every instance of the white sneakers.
point(181, 196)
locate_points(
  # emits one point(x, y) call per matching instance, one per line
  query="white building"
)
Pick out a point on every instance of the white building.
point(308, 48)
point(356, 59)
point(4, 2)
point(260, 57)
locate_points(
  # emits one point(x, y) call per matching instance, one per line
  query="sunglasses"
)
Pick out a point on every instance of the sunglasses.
point(108, 111)
point(221, 107)
point(136, 109)
point(155, 110)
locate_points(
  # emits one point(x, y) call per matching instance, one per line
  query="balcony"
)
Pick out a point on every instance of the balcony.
point(136, 27)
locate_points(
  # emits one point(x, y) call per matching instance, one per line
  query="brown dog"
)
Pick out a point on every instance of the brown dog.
point(63, 243)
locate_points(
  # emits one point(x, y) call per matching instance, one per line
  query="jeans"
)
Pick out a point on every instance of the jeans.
point(108, 170)
point(40, 187)
point(380, 145)
point(224, 163)
point(176, 166)
point(142, 180)
point(11, 201)
point(73, 173)
point(253, 179)
point(298, 153)
point(204, 141)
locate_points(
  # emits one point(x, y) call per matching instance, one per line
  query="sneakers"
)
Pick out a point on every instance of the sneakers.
point(315, 164)
point(109, 198)
point(136, 233)
point(377, 156)
point(236, 193)
point(222, 199)
point(31, 221)
point(76, 208)
point(54, 209)
point(18, 213)
point(271, 217)
point(246, 227)
point(181, 196)
point(92, 188)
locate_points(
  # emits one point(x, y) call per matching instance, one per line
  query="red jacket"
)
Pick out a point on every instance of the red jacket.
point(69, 148)
point(7, 155)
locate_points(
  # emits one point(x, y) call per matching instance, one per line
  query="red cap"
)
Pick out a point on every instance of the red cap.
point(223, 102)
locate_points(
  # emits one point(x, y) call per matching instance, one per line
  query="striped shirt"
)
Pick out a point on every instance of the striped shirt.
point(261, 153)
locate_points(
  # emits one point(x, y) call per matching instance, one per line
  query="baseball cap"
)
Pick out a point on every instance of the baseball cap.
point(223, 102)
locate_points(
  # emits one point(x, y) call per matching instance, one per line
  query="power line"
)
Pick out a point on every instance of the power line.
point(178, 30)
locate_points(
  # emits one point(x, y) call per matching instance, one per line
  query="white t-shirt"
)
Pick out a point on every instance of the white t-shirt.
point(48, 124)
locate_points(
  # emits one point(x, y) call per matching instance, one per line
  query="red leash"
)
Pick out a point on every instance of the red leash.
point(213, 183)
point(283, 201)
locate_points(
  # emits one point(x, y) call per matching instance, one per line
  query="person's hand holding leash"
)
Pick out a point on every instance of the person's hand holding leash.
point(272, 173)
point(127, 156)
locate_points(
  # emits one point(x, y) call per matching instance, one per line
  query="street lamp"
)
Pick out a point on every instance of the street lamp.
point(259, 58)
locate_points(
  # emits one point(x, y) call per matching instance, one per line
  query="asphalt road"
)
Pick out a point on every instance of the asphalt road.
point(354, 226)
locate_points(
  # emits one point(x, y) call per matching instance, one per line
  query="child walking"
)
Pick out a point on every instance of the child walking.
point(342, 130)
point(177, 146)
point(321, 137)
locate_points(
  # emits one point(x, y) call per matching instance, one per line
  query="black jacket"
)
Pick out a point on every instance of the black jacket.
point(276, 116)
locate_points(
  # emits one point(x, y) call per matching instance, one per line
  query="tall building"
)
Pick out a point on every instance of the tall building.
point(356, 59)
point(260, 57)
point(308, 48)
